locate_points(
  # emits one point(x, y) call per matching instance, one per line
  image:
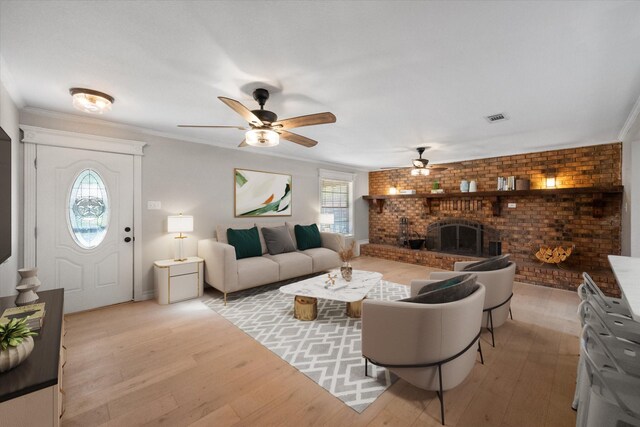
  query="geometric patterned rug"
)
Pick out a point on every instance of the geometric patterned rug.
point(327, 350)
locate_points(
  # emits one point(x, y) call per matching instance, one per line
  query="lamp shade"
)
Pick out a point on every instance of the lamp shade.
point(326, 219)
point(179, 223)
point(419, 171)
point(262, 138)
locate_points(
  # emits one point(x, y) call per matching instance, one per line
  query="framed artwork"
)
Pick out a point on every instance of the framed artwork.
point(261, 193)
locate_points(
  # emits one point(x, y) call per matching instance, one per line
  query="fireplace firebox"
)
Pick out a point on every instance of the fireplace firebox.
point(462, 237)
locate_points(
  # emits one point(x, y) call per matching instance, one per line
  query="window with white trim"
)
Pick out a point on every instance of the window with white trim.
point(336, 202)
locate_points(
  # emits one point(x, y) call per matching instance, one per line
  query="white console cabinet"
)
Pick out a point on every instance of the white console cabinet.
point(178, 280)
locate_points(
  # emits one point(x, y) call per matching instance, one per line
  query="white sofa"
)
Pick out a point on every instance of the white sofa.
point(227, 274)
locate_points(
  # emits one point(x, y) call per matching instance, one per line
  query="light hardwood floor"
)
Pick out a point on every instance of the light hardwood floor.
point(183, 364)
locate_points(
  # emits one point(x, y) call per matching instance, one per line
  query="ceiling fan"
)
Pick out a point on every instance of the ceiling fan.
point(265, 128)
point(421, 166)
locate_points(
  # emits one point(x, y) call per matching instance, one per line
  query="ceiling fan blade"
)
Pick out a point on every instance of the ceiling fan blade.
point(298, 139)
point(308, 120)
point(243, 144)
point(445, 166)
point(242, 110)
point(213, 127)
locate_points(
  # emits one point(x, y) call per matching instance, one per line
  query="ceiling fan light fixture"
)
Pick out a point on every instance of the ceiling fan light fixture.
point(419, 171)
point(91, 101)
point(262, 138)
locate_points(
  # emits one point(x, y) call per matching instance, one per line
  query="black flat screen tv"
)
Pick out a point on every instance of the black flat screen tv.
point(5, 196)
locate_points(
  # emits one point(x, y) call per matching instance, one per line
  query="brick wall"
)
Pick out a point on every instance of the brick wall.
point(537, 220)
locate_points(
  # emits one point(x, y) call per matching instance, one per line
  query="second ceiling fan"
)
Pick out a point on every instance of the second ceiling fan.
point(421, 166)
point(265, 128)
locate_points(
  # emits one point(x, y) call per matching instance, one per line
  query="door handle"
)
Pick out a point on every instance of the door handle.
point(127, 239)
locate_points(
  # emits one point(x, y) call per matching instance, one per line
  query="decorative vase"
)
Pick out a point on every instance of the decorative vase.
point(27, 287)
point(346, 271)
point(464, 186)
point(473, 186)
point(13, 356)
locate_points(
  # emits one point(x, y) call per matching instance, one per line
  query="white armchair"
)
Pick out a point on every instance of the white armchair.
point(431, 346)
point(499, 284)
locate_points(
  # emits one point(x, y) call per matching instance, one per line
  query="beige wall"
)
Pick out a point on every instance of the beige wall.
point(9, 122)
point(197, 179)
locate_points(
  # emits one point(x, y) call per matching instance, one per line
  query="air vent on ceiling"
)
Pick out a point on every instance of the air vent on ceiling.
point(497, 117)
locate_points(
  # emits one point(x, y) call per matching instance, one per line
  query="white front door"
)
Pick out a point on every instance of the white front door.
point(84, 225)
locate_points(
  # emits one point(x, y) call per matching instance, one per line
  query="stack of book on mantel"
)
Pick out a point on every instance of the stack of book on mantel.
point(33, 312)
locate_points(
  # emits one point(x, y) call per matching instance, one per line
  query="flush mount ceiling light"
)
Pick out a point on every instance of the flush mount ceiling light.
point(262, 138)
point(91, 101)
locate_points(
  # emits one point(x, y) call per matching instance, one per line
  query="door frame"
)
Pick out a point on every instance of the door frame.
point(34, 136)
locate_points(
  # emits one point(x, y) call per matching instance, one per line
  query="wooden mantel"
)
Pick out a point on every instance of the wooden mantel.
point(495, 197)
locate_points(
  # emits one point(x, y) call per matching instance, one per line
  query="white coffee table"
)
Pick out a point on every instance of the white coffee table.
point(306, 292)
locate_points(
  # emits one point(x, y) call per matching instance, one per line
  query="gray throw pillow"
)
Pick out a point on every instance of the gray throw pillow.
point(278, 240)
point(490, 264)
point(446, 294)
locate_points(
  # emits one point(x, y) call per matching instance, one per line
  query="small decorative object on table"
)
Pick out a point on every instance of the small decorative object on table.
point(346, 255)
point(27, 287)
point(16, 343)
point(32, 313)
point(331, 280)
point(464, 186)
point(554, 256)
point(473, 186)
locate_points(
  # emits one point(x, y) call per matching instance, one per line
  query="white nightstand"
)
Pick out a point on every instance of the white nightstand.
point(178, 280)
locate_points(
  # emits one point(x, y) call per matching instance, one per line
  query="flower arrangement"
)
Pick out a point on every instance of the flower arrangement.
point(346, 254)
point(13, 333)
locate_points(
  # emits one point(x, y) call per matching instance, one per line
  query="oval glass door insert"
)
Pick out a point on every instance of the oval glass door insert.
point(88, 209)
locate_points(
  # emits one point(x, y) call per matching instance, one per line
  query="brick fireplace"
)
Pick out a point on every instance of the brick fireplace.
point(588, 220)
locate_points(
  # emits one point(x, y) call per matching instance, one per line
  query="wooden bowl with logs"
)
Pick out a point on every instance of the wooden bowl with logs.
point(554, 255)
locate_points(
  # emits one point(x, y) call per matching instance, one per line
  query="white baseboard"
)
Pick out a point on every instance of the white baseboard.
point(358, 244)
point(148, 294)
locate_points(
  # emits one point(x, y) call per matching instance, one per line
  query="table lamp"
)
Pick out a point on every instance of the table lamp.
point(179, 224)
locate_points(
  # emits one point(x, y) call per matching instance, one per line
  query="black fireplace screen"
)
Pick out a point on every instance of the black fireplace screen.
point(463, 237)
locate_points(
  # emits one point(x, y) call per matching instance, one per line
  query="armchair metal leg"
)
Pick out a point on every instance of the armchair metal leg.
point(366, 367)
point(441, 394)
point(493, 342)
point(510, 313)
point(225, 299)
point(440, 391)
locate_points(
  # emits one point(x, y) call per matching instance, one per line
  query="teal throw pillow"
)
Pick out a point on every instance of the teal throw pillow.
point(246, 242)
point(307, 236)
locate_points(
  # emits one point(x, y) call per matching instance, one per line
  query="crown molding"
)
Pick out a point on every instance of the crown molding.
point(59, 138)
point(176, 137)
point(631, 120)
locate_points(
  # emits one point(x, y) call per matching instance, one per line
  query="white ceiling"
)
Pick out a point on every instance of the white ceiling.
point(396, 74)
